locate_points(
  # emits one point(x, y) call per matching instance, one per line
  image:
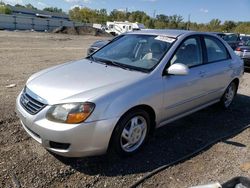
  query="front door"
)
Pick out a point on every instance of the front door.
point(184, 93)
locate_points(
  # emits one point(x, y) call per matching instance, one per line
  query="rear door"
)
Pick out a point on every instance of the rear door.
point(217, 68)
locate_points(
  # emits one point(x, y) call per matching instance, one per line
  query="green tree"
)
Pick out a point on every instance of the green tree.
point(160, 22)
point(174, 21)
point(74, 14)
point(149, 23)
point(82, 14)
point(162, 18)
point(228, 26)
point(243, 27)
point(214, 25)
point(193, 26)
point(102, 16)
point(4, 9)
point(30, 6)
point(117, 15)
point(53, 9)
point(20, 6)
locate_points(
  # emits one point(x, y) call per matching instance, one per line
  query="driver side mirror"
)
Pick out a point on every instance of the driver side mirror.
point(177, 69)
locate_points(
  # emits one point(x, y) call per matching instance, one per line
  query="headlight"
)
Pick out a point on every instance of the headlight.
point(71, 113)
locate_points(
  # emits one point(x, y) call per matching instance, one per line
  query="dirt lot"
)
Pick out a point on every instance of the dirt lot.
point(24, 162)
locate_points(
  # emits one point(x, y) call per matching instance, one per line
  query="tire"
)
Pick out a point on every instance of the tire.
point(229, 95)
point(131, 133)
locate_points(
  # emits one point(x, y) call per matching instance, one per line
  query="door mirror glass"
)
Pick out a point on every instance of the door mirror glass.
point(178, 69)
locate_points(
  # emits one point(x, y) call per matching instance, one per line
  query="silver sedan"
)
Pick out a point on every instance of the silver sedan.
point(116, 96)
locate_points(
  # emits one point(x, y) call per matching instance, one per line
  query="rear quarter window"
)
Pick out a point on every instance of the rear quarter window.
point(216, 51)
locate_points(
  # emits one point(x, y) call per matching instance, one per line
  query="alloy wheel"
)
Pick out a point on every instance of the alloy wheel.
point(229, 94)
point(133, 134)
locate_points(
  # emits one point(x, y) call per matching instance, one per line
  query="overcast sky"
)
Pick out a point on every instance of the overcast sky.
point(201, 11)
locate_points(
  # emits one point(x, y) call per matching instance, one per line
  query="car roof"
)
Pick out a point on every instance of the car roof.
point(169, 32)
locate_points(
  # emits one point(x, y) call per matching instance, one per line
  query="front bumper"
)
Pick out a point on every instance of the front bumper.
point(69, 140)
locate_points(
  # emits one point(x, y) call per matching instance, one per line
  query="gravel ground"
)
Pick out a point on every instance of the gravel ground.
point(25, 163)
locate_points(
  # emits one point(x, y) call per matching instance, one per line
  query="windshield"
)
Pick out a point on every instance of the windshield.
point(138, 52)
point(245, 38)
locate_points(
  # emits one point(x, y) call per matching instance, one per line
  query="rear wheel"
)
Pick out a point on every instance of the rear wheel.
point(131, 132)
point(229, 95)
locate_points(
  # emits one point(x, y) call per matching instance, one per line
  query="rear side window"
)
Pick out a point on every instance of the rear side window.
point(216, 51)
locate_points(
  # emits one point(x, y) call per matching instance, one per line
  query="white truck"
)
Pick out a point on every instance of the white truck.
point(117, 28)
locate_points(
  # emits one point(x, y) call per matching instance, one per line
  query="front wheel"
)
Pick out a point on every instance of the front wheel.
point(131, 132)
point(229, 95)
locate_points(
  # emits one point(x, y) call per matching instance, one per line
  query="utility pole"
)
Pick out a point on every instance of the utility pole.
point(188, 25)
point(154, 13)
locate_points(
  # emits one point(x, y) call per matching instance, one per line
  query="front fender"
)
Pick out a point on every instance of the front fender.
point(146, 92)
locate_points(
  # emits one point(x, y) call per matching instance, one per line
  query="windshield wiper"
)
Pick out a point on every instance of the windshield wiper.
point(91, 58)
point(113, 63)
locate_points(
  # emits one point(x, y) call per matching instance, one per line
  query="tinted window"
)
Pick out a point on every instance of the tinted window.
point(216, 51)
point(189, 53)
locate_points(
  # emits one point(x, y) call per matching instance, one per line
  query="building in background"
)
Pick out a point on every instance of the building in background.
point(20, 11)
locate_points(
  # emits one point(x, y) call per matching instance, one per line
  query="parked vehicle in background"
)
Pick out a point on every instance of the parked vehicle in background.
point(232, 39)
point(244, 53)
point(114, 28)
point(244, 39)
point(115, 97)
point(96, 46)
point(117, 28)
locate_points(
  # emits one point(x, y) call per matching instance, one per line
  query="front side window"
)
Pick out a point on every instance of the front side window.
point(135, 51)
point(216, 51)
point(189, 53)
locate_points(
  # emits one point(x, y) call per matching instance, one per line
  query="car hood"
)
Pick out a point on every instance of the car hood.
point(79, 77)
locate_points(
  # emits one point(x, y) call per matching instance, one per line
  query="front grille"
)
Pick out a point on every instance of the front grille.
point(30, 104)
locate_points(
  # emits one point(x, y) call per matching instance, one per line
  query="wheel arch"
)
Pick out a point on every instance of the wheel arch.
point(145, 107)
point(148, 109)
point(237, 81)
